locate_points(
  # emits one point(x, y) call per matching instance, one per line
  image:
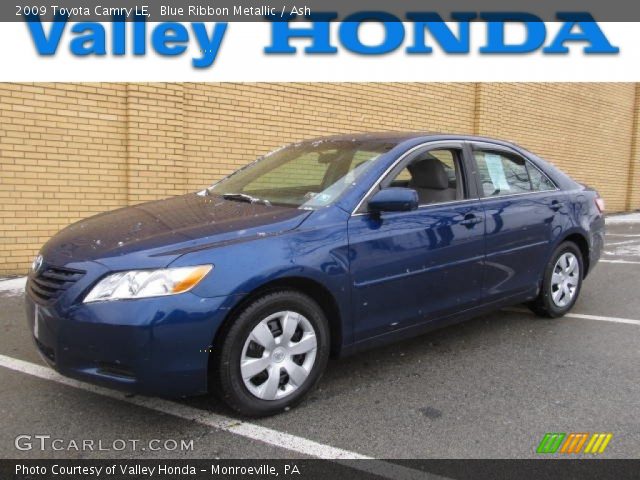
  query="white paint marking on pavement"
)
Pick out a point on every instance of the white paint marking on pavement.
point(220, 422)
point(603, 319)
point(629, 235)
point(12, 287)
point(582, 316)
point(626, 242)
point(625, 251)
point(619, 261)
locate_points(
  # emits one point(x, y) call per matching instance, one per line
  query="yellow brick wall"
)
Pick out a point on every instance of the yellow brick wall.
point(585, 129)
point(227, 125)
point(633, 190)
point(68, 151)
point(155, 141)
point(63, 157)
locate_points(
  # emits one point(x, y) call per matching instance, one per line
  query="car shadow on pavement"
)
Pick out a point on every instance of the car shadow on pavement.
point(431, 355)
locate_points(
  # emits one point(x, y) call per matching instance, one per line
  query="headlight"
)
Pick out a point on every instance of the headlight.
point(147, 283)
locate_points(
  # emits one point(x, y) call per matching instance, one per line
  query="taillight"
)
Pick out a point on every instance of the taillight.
point(600, 204)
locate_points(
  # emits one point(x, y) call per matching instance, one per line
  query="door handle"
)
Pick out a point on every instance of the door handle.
point(555, 205)
point(470, 219)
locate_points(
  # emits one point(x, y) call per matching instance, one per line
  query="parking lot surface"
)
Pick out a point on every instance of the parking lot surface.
point(488, 388)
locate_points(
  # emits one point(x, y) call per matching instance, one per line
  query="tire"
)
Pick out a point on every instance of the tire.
point(554, 300)
point(246, 347)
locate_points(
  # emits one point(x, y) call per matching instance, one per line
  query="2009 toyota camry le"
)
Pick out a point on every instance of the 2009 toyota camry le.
point(320, 248)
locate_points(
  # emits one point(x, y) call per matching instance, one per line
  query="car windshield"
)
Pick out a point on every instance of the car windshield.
point(306, 175)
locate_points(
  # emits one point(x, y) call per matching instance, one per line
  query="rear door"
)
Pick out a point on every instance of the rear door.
point(521, 205)
point(416, 266)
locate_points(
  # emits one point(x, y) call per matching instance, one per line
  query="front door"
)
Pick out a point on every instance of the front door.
point(416, 266)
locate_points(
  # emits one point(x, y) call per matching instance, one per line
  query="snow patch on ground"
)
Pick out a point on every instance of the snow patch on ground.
point(625, 218)
point(12, 287)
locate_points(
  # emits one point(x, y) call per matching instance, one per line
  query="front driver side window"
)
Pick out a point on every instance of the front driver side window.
point(435, 175)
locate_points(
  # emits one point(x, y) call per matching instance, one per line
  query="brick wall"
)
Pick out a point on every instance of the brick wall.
point(63, 157)
point(633, 182)
point(585, 129)
point(68, 151)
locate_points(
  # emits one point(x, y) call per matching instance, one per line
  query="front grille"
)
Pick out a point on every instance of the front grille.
point(49, 284)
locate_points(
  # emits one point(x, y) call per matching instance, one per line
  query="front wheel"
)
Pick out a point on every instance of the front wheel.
point(561, 282)
point(273, 353)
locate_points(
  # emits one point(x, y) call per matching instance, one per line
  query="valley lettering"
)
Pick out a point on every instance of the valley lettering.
point(425, 31)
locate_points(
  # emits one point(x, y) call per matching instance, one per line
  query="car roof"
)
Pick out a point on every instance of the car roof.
point(404, 136)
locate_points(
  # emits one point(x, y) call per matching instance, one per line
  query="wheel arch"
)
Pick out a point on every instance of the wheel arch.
point(580, 240)
point(314, 289)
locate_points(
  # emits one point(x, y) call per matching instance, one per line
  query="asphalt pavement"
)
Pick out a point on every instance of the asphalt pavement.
point(488, 388)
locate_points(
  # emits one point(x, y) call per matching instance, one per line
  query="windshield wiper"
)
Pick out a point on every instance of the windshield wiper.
point(243, 197)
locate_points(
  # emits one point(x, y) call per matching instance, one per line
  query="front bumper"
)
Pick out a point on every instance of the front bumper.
point(156, 346)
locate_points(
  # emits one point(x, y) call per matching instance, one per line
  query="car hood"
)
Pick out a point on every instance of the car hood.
point(155, 233)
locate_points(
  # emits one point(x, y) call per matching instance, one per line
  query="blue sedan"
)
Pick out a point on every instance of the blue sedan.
point(323, 247)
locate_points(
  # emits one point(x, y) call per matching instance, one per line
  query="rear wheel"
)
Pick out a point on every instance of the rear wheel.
point(274, 352)
point(561, 282)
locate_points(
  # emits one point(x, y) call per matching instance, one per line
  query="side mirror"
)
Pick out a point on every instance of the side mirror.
point(394, 199)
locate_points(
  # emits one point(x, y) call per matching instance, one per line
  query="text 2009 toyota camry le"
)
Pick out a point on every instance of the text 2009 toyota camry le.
point(322, 247)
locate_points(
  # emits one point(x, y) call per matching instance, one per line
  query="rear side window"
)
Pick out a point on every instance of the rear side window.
point(506, 174)
point(539, 181)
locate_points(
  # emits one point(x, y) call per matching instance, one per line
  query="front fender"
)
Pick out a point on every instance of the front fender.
point(316, 251)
